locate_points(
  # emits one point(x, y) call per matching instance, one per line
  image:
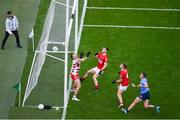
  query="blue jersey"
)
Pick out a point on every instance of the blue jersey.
point(143, 89)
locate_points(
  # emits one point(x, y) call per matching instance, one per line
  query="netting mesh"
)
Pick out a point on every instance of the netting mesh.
point(46, 80)
point(39, 57)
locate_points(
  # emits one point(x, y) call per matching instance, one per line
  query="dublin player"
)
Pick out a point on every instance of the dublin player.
point(124, 83)
point(144, 95)
point(97, 71)
point(75, 73)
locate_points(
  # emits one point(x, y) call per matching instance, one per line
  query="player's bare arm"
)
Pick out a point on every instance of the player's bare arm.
point(105, 65)
point(117, 81)
point(84, 58)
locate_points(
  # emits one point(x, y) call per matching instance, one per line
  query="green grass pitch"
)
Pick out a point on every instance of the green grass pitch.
point(154, 51)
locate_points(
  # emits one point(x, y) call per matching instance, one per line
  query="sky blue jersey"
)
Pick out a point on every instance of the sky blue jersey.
point(143, 89)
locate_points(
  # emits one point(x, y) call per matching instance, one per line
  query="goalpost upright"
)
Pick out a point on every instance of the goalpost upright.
point(78, 33)
point(66, 54)
point(71, 28)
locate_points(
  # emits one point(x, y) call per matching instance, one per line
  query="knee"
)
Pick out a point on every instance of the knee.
point(94, 77)
point(79, 86)
point(118, 94)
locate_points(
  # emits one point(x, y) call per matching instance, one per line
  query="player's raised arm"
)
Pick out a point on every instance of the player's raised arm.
point(84, 58)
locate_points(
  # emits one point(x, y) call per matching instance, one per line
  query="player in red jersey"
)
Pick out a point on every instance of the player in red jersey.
point(124, 83)
point(97, 71)
point(75, 73)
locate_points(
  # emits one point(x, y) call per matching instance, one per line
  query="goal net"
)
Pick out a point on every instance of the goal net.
point(49, 75)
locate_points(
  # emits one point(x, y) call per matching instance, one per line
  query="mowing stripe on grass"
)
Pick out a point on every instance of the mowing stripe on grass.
point(133, 27)
point(140, 9)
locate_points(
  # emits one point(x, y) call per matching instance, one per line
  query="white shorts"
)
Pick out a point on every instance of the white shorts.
point(96, 70)
point(123, 88)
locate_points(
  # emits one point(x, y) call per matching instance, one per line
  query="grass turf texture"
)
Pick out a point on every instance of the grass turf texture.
point(32, 113)
point(28, 113)
point(151, 51)
point(154, 51)
point(13, 59)
point(45, 86)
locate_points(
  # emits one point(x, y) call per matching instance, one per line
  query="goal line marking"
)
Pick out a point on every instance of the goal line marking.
point(140, 9)
point(135, 27)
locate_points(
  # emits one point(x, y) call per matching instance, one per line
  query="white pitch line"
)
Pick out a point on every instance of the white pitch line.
point(60, 3)
point(142, 9)
point(135, 27)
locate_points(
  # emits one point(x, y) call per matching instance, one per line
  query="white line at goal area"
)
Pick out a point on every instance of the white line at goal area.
point(132, 27)
point(138, 9)
point(134, 10)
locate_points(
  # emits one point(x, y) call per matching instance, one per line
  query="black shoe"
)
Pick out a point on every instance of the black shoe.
point(19, 46)
point(2, 48)
point(81, 79)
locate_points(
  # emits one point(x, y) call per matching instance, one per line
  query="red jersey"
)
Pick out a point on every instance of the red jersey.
point(101, 60)
point(124, 76)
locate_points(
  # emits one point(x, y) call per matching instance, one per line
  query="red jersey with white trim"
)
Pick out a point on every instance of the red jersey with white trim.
point(75, 67)
point(124, 76)
point(102, 58)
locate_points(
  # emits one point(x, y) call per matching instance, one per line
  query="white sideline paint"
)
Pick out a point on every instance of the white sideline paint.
point(140, 9)
point(135, 27)
point(54, 107)
point(54, 51)
point(55, 57)
point(61, 3)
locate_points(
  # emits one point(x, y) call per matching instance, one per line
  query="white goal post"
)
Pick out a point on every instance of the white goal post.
point(44, 48)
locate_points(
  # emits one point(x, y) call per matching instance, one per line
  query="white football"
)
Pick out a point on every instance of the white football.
point(40, 106)
point(55, 48)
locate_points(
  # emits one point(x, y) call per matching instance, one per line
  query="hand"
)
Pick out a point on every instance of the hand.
point(133, 85)
point(81, 55)
point(10, 33)
point(101, 72)
point(88, 54)
point(114, 81)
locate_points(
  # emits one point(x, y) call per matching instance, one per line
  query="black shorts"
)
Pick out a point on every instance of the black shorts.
point(145, 96)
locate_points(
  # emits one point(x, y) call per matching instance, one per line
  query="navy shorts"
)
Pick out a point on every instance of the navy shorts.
point(145, 96)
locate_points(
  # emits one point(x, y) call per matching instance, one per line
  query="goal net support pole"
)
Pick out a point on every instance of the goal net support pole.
point(69, 24)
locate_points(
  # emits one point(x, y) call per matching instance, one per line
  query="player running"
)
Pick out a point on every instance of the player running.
point(75, 73)
point(144, 95)
point(97, 71)
point(124, 83)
